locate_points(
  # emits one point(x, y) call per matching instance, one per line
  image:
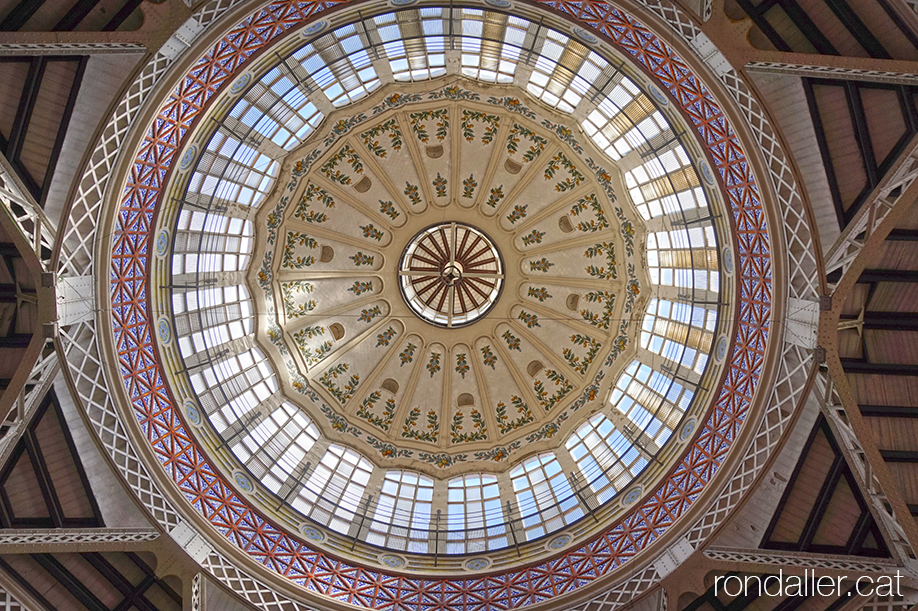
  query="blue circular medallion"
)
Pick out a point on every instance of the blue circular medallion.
point(728, 260)
point(721, 349)
point(314, 28)
point(244, 483)
point(402, 2)
point(194, 415)
point(162, 242)
point(499, 3)
point(164, 330)
point(633, 495)
point(706, 174)
point(658, 95)
point(241, 84)
point(477, 564)
point(585, 36)
point(559, 542)
point(313, 534)
point(392, 561)
point(687, 429)
point(188, 157)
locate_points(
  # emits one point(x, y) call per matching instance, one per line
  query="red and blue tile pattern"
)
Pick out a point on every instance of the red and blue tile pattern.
point(210, 494)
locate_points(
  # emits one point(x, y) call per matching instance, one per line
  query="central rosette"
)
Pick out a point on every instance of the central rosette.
point(451, 274)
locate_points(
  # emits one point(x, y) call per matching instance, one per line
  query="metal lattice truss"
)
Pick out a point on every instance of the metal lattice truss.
point(802, 560)
point(816, 71)
point(868, 482)
point(785, 400)
point(625, 593)
point(27, 401)
point(9, 603)
point(73, 536)
point(886, 603)
point(888, 193)
point(197, 596)
point(81, 353)
point(78, 240)
point(29, 217)
point(70, 48)
point(252, 590)
point(802, 249)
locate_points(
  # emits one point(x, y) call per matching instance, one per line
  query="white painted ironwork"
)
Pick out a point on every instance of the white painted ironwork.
point(197, 595)
point(19, 537)
point(249, 588)
point(870, 486)
point(75, 300)
point(804, 272)
point(33, 391)
point(29, 217)
point(889, 603)
point(9, 603)
point(816, 71)
point(624, 593)
point(70, 48)
point(802, 560)
point(80, 348)
point(884, 198)
point(802, 322)
point(708, 10)
point(79, 235)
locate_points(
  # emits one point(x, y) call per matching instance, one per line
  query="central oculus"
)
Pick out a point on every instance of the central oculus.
point(451, 274)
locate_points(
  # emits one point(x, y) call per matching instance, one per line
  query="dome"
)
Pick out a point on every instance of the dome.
point(434, 290)
point(467, 323)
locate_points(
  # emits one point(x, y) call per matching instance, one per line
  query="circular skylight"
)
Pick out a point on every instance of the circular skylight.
point(451, 274)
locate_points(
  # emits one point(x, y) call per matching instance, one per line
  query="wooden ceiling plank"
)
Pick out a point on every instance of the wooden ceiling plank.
point(73, 585)
point(818, 513)
point(858, 29)
point(903, 235)
point(20, 15)
point(888, 275)
point(75, 15)
point(886, 369)
point(122, 15)
point(62, 129)
point(906, 456)
point(26, 106)
point(889, 411)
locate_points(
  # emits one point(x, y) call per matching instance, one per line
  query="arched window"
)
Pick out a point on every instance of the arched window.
point(651, 402)
point(335, 489)
point(402, 516)
point(686, 258)
point(679, 332)
point(624, 120)
point(474, 515)
point(666, 183)
point(544, 496)
point(275, 449)
point(234, 383)
point(277, 109)
point(564, 73)
point(338, 62)
point(210, 317)
point(234, 168)
point(211, 243)
point(607, 461)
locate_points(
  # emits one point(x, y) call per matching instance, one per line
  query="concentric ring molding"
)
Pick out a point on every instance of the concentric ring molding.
point(716, 432)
